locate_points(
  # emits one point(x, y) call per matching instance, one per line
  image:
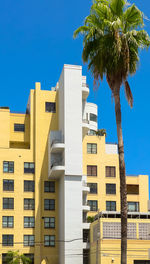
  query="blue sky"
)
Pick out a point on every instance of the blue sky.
point(36, 40)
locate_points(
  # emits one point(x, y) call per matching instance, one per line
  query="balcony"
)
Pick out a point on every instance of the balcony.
point(56, 142)
point(85, 126)
point(57, 169)
point(57, 147)
point(85, 188)
point(85, 207)
point(85, 91)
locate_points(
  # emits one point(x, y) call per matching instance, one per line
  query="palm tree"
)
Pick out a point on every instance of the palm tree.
point(113, 35)
point(13, 257)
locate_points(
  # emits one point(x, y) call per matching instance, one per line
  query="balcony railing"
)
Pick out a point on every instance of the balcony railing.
point(57, 163)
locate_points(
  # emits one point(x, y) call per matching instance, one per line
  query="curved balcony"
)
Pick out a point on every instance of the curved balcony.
point(85, 91)
point(85, 188)
point(85, 208)
point(85, 126)
point(57, 169)
point(57, 147)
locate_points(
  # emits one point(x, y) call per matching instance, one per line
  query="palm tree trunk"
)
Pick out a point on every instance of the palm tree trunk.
point(123, 187)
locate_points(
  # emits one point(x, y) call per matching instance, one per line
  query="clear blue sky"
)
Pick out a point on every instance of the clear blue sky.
point(36, 40)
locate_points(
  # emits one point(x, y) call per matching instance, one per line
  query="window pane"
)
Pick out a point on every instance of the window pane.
point(110, 206)
point(93, 187)
point(110, 171)
point(8, 166)
point(93, 205)
point(19, 127)
point(50, 107)
point(8, 221)
point(110, 188)
point(49, 186)
point(49, 222)
point(91, 170)
point(93, 117)
point(8, 185)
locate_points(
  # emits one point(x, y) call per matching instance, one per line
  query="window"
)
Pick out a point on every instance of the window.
point(91, 148)
point(110, 171)
point(49, 186)
point(8, 185)
point(133, 206)
point(49, 222)
point(49, 241)
point(8, 166)
point(29, 222)
point(93, 117)
point(49, 204)
point(93, 187)
point(29, 204)
point(110, 188)
point(8, 203)
point(93, 205)
point(110, 206)
point(29, 167)
point(29, 240)
point(91, 170)
point(50, 107)
point(4, 261)
point(28, 186)
point(8, 221)
point(92, 132)
point(7, 240)
point(31, 257)
point(133, 189)
point(19, 127)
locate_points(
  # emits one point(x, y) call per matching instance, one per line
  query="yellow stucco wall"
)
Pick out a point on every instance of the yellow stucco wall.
point(101, 159)
point(37, 126)
point(109, 251)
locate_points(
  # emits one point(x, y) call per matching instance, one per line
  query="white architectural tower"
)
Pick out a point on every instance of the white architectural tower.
point(65, 155)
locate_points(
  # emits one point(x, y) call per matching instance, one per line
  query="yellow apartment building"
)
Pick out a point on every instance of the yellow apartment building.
point(55, 172)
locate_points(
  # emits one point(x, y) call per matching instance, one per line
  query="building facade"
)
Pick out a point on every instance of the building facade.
point(55, 172)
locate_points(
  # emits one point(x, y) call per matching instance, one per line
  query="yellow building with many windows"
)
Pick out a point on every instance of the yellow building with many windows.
point(55, 172)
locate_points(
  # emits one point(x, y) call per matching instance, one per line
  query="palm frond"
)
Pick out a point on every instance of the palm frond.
point(133, 18)
point(117, 7)
point(128, 93)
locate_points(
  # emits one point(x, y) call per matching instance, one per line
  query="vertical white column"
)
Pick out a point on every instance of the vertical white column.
point(70, 186)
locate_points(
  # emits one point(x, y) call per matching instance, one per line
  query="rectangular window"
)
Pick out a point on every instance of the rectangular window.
point(91, 148)
point(93, 117)
point(110, 188)
point(19, 127)
point(28, 186)
point(50, 107)
point(7, 240)
point(4, 260)
point(8, 203)
point(49, 186)
point(91, 170)
point(8, 166)
point(29, 222)
point(49, 204)
point(93, 187)
point(49, 222)
point(29, 204)
point(133, 206)
point(28, 240)
point(133, 189)
point(110, 206)
point(49, 241)
point(110, 171)
point(93, 205)
point(29, 167)
point(8, 185)
point(8, 221)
